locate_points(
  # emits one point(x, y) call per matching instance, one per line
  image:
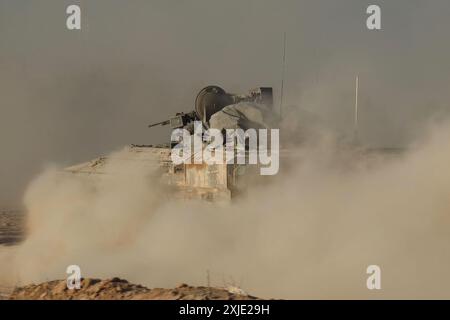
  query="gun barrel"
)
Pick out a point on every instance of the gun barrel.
point(162, 123)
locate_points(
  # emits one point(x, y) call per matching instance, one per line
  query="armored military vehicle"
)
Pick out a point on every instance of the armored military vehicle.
point(214, 108)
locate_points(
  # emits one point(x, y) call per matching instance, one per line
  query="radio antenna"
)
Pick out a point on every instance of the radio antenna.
point(355, 128)
point(282, 75)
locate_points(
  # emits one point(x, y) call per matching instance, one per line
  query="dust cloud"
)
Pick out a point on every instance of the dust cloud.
point(310, 233)
point(69, 96)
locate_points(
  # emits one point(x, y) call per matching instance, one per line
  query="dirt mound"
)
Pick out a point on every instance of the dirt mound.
point(118, 289)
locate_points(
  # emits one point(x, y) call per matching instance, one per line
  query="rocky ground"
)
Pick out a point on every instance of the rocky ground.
point(11, 233)
point(118, 289)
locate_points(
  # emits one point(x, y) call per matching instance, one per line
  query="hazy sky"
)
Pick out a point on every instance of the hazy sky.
point(69, 96)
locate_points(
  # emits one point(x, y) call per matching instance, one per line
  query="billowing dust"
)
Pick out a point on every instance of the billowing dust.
point(309, 233)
